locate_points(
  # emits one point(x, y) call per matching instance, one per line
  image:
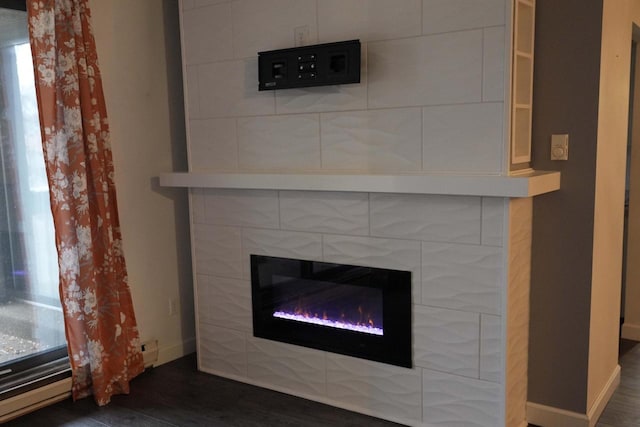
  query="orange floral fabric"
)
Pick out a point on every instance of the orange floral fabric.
point(102, 336)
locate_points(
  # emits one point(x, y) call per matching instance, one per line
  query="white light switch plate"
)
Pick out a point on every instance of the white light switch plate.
point(560, 147)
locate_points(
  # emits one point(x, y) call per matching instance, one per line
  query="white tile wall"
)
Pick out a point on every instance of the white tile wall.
point(368, 19)
point(294, 368)
point(376, 387)
point(230, 88)
point(254, 208)
point(428, 70)
point(213, 145)
point(492, 220)
point(285, 244)
point(374, 140)
point(260, 25)
point(222, 350)
point(439, 16)
point(493, 82)
point(208, 2)
point(207, 34)
point(446, 340)
point(328, 212)
point(314, 99)
point(279, 142)
point(462, 277)
point(490, 348)
point(430, 100)
point(462, 138)
point(450, 400)
point(197, 205)
point(218, 250)
point(224, 302)
point(192, 97)
point(426, 217)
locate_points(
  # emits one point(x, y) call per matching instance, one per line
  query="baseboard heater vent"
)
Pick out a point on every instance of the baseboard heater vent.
point(150, 353)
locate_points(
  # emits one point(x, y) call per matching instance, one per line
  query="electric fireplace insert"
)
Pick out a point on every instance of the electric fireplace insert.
point(358, 311)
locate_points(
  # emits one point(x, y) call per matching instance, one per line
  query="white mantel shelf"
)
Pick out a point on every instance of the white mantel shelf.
point(527, 184)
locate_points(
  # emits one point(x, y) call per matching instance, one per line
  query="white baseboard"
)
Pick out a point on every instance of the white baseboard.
point(549, 416)
point(605, 395)
point(630, 331)
point(175, 351)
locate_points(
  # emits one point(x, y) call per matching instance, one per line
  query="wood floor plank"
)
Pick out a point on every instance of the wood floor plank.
point(176, 394)
point(623, 410)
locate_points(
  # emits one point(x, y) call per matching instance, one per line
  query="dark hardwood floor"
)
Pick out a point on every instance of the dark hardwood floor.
point(623, 410)
point(176, 394)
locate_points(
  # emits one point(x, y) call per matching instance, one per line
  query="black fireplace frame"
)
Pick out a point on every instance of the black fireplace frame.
point(393, 347)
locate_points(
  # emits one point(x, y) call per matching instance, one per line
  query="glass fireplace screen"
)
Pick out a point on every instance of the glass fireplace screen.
point(354, 310)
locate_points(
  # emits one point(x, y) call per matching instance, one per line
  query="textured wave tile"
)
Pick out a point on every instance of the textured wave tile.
point(222, 350)
point(454, 401)
point(229, 88)
point(446, 340)
point(251, 208)
point(426, 217)
point(440, 16)
point(192, 97)
point(294, 368)
point(197, 205)
point(377, 140)
point(329, 212)
point(428, 70)
point(285, 244)
point(463, 138)
point(493, 64)
point(493, 220)
point(213, 145)
point(268, 24)
point(375, 387)
point(218, 250)
point(207, 34)
point(368, 20)
point(462, 277)
point(490, 348)
point(279, 142)
point(224, 302)
point(381, 253)
point(326, 98)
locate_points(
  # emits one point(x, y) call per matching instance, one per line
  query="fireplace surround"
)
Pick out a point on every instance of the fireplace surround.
point(358, 311)
point(408, 172)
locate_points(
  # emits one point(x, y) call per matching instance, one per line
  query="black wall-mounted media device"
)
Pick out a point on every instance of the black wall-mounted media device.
point(305, 66)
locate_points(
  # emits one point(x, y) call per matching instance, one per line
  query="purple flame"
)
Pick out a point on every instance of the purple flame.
point(327, 322)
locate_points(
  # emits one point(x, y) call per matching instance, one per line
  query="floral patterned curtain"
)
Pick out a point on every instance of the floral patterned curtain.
point(104, 348)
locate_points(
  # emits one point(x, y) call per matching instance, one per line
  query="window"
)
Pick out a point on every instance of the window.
point(32, 337)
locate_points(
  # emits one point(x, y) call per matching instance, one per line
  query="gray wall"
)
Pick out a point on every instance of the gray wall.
point(566, 85)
